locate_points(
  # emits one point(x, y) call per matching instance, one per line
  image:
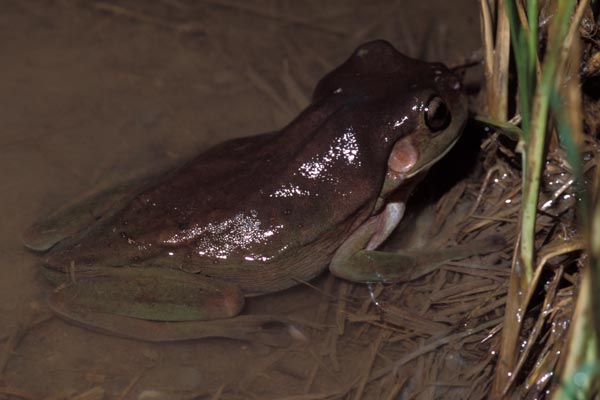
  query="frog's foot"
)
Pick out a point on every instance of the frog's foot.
point(264, 329)
point(381, 266)
point(79, 215)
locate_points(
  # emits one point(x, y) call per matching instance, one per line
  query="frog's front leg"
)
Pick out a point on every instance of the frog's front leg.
point(358, 261)
point(354, 259)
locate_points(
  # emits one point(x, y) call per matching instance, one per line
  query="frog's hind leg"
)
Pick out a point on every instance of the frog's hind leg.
point(80, 214)
point(159, 305)
point(150, 293)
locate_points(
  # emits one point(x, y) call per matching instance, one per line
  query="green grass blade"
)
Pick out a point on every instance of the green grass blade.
point(533, 156)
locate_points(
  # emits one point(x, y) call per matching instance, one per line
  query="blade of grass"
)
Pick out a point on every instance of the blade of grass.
point(519, 45)
point(533, 156)
point(511, 131)
point(499, 87)
point(487, 37)
point(532, 40)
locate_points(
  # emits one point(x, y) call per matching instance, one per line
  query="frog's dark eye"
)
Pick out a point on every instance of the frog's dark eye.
point(437, 114)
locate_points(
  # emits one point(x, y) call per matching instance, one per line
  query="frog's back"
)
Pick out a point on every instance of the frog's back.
point(264, 211)
point(278, 204)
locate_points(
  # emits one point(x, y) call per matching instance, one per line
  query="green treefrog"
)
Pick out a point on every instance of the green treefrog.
point(260, 214)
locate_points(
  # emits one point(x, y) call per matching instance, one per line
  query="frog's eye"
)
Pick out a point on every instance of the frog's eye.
point(437, 114)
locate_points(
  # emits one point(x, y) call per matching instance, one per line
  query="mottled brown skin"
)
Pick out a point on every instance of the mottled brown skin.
point(255, 196)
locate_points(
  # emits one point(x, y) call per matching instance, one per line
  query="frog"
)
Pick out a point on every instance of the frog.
point(259, 214)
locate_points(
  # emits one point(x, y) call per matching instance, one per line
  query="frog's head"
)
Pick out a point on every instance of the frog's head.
point(412, 111)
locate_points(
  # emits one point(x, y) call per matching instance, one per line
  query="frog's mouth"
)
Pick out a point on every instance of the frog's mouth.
point(425, 167)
